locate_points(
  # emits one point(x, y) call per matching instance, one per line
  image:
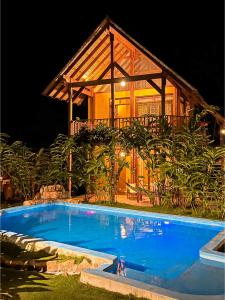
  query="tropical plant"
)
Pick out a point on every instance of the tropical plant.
point(17, 164)
point(102, 166)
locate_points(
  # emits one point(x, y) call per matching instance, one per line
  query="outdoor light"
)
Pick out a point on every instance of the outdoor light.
point(222, 131)
point(122, 154)
point(122, 83)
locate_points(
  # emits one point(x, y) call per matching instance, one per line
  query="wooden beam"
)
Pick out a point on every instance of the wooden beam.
point(155, 86)
point(93, 61)
point(112, 80)
point(70, 120)
point(163, 96)
point(58, 91)
point(89, 56)
point(65, 92)
point(116, 80)
point(104, 72)
point(178, 103)
point(122, 71)
point(132, 87)
point(84, 50)
point(112, 113)
point(77, 94)
point(122, 40)
point(134, 162)
point(66, 83)
point(102, 62)
point(77, 57)
point(116, 57)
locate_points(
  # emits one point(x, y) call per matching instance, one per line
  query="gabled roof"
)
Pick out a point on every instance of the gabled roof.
point(94, 56)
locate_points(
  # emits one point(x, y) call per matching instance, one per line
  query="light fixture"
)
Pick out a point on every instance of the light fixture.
point(222, 131)
point(122, 154)
point(123, 83)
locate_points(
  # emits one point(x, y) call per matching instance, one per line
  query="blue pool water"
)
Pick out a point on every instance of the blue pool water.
point(158, 251)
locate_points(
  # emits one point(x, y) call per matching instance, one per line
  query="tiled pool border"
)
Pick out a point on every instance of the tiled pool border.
point(99, 278)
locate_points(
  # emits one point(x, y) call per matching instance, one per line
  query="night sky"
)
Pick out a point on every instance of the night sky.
point(39, 37)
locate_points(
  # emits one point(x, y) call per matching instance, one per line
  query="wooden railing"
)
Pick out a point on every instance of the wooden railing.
point(149, 121)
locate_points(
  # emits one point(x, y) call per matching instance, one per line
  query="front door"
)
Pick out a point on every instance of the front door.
point(122, 107)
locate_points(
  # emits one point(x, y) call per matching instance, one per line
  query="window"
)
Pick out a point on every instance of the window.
point(151, 105)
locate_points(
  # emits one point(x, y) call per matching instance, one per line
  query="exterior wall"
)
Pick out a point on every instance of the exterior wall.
point(101, 101)
point(101, 110)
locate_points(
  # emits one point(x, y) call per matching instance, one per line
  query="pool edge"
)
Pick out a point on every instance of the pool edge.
point(99, 278)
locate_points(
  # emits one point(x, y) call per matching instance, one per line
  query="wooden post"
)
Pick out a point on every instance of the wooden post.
point(112, 114)
point(132, 99)
point(112, 83)
point(178, 102)
point(132, 114)
point(70, 119)
point(163, 96)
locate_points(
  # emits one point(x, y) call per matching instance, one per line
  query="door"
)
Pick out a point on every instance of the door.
point(122, 107)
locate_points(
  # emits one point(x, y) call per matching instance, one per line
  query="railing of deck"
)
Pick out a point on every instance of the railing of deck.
point(147, 121)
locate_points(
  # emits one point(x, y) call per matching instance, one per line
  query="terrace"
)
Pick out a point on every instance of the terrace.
point(149, 121)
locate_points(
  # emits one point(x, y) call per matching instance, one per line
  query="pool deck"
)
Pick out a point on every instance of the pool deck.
point(79, 199)
point(97, 276)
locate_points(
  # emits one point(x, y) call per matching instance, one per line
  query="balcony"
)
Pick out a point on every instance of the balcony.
point(149, 121)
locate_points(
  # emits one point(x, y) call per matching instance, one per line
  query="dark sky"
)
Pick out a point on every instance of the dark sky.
point(39, 37)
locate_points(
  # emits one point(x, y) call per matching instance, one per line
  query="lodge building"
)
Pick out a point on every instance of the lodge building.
point(123, 81)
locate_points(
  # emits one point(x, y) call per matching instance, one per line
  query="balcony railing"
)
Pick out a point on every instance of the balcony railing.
point(153, 122)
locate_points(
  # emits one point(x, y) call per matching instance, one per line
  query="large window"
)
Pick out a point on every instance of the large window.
point(151, 105)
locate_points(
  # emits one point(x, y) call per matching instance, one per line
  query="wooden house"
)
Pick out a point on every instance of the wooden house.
point(122, 81)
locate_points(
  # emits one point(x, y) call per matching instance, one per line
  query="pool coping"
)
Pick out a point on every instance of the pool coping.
point(99, 278)
point(178, 218)
point(209, 251)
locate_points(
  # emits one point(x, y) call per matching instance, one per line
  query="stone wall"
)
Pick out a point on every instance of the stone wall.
point(51, 192)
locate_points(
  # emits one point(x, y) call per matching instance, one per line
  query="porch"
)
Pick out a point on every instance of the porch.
point(155, 123)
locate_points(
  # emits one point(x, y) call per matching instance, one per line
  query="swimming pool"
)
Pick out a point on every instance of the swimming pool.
point(162, 250)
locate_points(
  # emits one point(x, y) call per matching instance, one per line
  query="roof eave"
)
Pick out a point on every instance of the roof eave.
point(102, 26)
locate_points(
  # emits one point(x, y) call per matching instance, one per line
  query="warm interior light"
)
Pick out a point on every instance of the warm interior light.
point(222, 131)
point(122, 83)
point(85, 76)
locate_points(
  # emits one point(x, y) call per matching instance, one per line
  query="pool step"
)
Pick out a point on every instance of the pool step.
point(142, 276)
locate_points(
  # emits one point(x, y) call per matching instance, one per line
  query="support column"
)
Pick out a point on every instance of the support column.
point(179, 120)
point(178, 102)
point(70, 119)
point(132, 114)
point(132, 85)
point(112, 83)
point(163, 96)
point(112, 116)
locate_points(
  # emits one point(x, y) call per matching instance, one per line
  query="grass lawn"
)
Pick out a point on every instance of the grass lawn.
point(164, 210)
point(198, 213)
point(25, 285)
point(31, 285)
